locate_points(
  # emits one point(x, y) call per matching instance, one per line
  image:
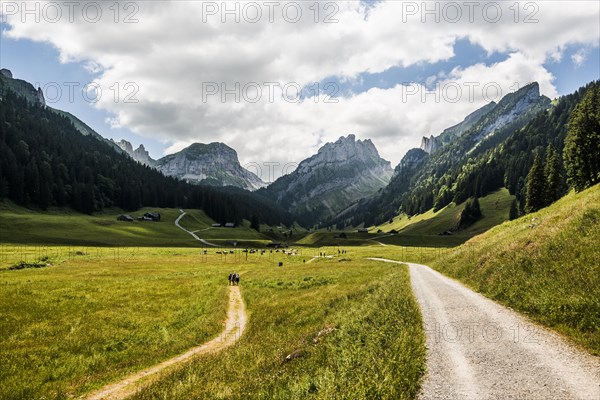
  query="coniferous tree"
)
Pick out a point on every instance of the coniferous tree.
point(536, 186)
point(470, 214)
point(553, 170)
point(254, 223)
point(514, 211)
point(476, 208)
point(582, 144)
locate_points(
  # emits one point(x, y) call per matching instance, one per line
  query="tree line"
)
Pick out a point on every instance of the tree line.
point(45, 161)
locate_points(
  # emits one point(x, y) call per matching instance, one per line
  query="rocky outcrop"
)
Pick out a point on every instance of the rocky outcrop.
point(429, 144)
point(213, 164)
point(511, 108)
point(331, 180)
point(140, 154)
point(40, 97)
point(126, 147)
point(456, 131)
point(20, 87)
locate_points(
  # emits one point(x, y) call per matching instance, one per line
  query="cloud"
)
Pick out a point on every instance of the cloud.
point(178, 50)
point(579, 57)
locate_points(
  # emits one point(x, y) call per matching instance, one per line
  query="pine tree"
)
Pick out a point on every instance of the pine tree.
point(470, 214)
point(553, 170)
point(254, 223)
point(514, 211)
point(582, 144)
point(476, 209)
point(536, 186)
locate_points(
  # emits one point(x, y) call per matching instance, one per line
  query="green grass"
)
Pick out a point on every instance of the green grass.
point(92, 318)
point(546, 265)
point(66, 227)
point(97, 314)
point(375, 350)
point(424, 229)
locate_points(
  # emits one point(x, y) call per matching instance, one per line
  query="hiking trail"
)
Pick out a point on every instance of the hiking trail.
point(234, 328)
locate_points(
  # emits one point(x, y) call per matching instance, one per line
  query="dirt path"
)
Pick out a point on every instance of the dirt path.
point(478, 349)
point(234, 328)
point(192, 233)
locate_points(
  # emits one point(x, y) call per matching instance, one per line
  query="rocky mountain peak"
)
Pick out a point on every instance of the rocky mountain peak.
point(6, 72)
point(140, 154)
point(213, 164)
point(125, 146)
point(511, 107)
point(429, 144)
point(345, 149)
point(330, 181)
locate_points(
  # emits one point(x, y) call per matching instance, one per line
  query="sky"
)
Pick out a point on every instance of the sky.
point(277, 80)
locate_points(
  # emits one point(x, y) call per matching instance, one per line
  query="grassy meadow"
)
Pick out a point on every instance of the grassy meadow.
point(97, 314)
point(66, 227)
point(341, 327)
point(350, 328)
point(421, 230)
point(92, 317)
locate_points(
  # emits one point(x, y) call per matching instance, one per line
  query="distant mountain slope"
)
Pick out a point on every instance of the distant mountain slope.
point(456, 131)
point(468, 165)
point(328, 182)
point(214, 164)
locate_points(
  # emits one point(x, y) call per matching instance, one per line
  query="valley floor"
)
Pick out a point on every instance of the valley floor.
point(323, 323)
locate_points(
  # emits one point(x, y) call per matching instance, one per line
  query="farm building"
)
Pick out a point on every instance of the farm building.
point(151, 217)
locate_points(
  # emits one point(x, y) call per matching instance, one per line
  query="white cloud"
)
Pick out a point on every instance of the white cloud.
point(579, 57)
point(171, 54)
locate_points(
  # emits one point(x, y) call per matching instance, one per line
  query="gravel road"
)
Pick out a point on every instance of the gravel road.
point(478, 349)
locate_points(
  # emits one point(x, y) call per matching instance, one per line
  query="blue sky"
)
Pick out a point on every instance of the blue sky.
point(39, 63)
point(368, 107)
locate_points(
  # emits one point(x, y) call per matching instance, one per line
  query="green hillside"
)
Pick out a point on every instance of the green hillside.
point(423, 229)
point(545, 264)
point(61, 226)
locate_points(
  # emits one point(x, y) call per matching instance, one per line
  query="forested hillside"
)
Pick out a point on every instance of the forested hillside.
point(467, 168)
point(45, 161)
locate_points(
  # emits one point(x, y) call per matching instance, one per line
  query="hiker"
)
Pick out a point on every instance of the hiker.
point(236, 278)
point(230, 279)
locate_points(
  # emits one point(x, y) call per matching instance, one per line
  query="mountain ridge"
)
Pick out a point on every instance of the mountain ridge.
point(328, 182)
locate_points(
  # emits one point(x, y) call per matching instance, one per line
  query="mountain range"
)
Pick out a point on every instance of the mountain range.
point(214, 164)
point(346, 183)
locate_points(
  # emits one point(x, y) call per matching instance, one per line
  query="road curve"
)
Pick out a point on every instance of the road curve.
point(478, 349)
point(190, 232)
point(234, 328)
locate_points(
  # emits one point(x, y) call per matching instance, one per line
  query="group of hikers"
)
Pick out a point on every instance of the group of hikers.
point(234, 278)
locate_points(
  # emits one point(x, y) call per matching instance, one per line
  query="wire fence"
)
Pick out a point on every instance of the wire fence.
point(13, 254)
